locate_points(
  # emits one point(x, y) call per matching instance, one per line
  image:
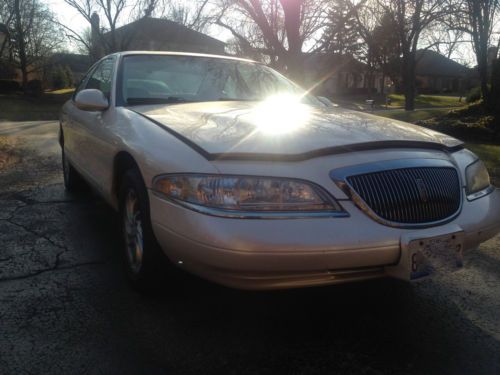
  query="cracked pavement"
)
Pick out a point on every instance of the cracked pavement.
point(65, 306)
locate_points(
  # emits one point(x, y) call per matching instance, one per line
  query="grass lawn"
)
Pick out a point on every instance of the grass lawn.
point(412, 116)
point(490, 155)
point(22, 108)
point(60, 92)
point(428, 101)
point(398, 101)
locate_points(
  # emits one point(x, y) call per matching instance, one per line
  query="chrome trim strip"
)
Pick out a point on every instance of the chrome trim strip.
point(340, 175)
point(482, 193)
point(235, 214)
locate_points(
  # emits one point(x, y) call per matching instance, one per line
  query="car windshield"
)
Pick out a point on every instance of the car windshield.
point(149, 79)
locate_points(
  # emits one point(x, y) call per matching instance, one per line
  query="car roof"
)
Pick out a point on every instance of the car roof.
point(172, 53)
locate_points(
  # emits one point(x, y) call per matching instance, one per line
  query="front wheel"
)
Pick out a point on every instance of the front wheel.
point(143, 258)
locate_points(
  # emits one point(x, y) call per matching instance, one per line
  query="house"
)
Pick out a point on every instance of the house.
point(4, 34)
point(438, 74)
point(158, 34)
point(5, 44)
point(333, 74)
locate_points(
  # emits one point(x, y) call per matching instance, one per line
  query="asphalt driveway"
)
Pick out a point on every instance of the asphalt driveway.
point(65, 306)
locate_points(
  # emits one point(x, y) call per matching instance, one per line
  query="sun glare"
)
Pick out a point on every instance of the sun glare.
point(281, 114)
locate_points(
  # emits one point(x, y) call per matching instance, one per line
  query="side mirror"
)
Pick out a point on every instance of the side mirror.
point(327, 102)
point(91, 100)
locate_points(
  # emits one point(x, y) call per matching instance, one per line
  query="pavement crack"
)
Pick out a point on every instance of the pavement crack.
point(39, 235)
point(55, 267)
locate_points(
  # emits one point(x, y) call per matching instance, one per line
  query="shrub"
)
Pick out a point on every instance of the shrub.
point(34, 88)
point(8, 86)
point(473, 95)
point(58, 78)
point(70, 82)
point(472, 123)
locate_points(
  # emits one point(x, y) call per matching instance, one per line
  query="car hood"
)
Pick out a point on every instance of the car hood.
point(253, 130)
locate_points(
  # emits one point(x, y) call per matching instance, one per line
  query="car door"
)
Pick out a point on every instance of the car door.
point(69, 126)
point(92, 135)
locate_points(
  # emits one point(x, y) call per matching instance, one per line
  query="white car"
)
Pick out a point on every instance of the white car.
point(234, 173)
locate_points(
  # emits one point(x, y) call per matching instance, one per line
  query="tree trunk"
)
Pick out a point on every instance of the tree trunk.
point(409, 81)
point(21, 44)
point(294, 57)
point(483, 75)
point(295, 67)
point(410, 97)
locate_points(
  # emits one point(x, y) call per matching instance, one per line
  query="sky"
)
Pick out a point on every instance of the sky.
point(71, 18)
point(67, 15)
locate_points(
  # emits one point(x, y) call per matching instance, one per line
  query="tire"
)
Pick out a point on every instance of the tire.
point(73, 181)
point(143, 258)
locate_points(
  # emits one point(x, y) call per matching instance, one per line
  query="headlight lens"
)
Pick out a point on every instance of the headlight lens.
point(245, 193)
point(477, 177)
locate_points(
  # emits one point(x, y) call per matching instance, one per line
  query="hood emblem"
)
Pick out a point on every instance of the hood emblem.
point(422, 190)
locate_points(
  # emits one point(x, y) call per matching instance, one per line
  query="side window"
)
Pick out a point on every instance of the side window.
point(83, 81)
point(102, 76)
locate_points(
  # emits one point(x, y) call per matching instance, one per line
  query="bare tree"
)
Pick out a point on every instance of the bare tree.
point(477, 18)
point(411, 18)
point(33, 36)
point(6, 18)
point(111, 11)
point(282, 27)
point(368, 16)
point(197, 15)
point(444, 40)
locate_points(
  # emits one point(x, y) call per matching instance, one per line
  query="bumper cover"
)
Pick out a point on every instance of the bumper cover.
point(273, 254)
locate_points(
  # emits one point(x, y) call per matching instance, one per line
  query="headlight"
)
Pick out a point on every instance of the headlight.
point(246, 193)
point(477, 177)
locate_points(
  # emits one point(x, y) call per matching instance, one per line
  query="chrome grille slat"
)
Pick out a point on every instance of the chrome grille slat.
point(441, 207)
point(416, 202)
point(435, 209)
point(413, 193)
point(384, 207)
point(416, 195)
point(393, 197)
point(407, 202)
point(405, 194)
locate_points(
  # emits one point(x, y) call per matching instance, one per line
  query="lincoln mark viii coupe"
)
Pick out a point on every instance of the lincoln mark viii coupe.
point(224, 168)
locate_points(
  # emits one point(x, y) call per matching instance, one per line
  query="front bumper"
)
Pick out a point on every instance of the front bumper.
point(273, 254)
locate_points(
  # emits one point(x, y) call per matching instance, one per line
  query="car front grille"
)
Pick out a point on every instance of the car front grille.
point(419, 195)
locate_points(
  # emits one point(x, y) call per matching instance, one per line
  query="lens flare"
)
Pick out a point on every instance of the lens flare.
point(281, 114)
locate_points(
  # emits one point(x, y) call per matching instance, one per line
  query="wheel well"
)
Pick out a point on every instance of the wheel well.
point(122, 163)
point(61, 136)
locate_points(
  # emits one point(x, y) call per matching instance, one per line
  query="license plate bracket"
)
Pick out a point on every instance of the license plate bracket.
point(422, 257)
point(435, 254)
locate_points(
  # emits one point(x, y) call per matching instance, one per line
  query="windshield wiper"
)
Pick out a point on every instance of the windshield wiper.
point(168, 100)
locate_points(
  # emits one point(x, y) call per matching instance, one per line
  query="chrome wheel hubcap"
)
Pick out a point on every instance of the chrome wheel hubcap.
point(133, 232)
